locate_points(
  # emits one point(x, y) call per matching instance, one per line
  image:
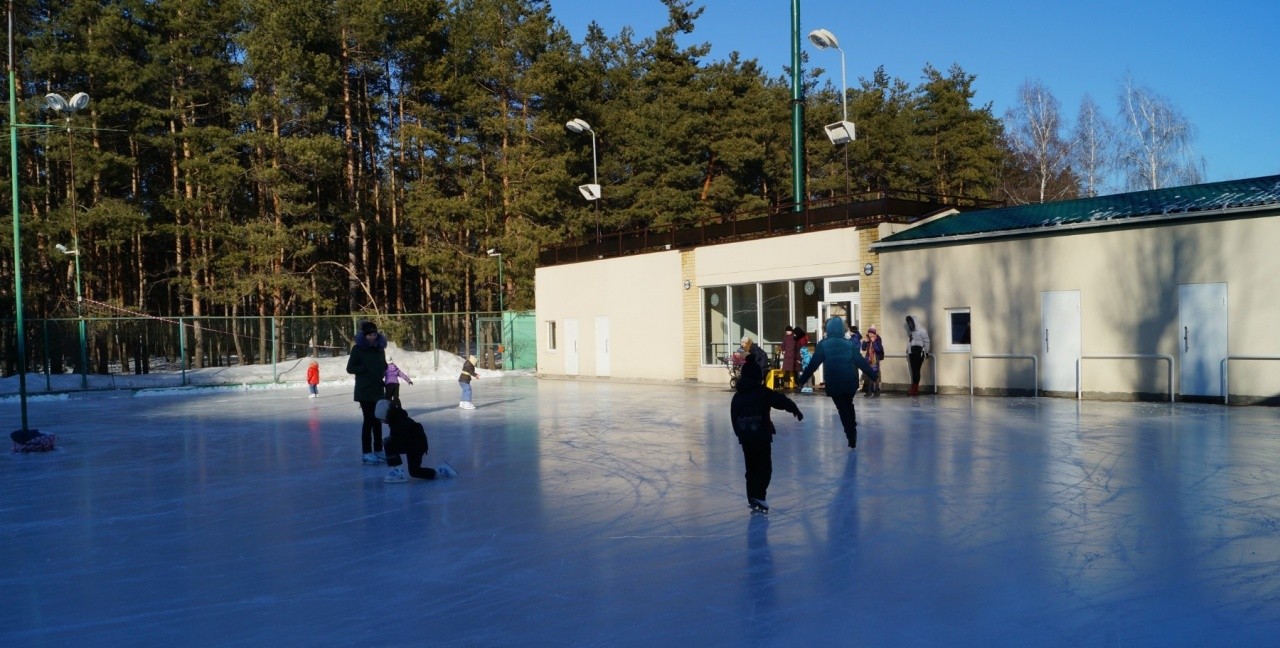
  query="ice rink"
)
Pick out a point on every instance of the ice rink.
point(608, 514)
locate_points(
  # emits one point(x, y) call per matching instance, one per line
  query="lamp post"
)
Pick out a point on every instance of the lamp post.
point(843, 131)
point(66, 109)
point(589, 191)
point(84, 355)
point(493, 252)
point(17, 230)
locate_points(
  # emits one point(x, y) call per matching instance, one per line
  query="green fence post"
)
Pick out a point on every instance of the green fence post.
point(47, 384)
point(182, 349)
point(275, 377)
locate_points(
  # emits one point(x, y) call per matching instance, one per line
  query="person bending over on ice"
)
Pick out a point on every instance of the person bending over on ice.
point(749, 412)
point(842, 359)
point(408, 438)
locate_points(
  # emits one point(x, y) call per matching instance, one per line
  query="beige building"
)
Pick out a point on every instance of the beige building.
point(1149, 293)
point(1145, 294)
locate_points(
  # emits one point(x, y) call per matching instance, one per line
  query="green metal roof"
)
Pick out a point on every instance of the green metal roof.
point(1175, 203)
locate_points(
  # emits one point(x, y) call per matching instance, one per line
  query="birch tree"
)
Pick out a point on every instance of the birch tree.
point(1092, 148)
point(1155, 141)
point(1034, 131)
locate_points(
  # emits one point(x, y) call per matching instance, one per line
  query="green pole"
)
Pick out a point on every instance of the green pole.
point(17, 228)
point(797, 113)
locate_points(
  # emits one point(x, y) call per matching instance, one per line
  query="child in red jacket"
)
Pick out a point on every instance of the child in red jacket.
point(313, 379)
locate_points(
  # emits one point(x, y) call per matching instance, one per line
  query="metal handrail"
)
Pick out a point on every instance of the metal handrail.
point(933, 365)
point(1035, 367)
point(1226, 394)
point(1130, 356)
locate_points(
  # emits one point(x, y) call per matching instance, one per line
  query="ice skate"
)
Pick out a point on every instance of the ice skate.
point(396, 476)
point(371, 459)
point(380, 456)
point(467, 405)
point(446, 470)
point(758, 505)
point(462, 404)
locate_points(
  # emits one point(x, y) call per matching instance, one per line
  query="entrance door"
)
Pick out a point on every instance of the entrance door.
point(602, 346)
point(1202, 332)
point(1059, 339)
point(571, 347)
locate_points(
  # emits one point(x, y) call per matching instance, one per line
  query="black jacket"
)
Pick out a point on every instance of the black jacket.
point(749, 410)
point(408, 433)
point(368, 363)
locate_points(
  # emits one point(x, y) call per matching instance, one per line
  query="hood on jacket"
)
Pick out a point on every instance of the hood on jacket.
point(835, 327)
point(379, 343)
point(750, 376)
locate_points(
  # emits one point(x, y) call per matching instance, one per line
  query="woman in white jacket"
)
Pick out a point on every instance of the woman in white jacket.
point(917, 348)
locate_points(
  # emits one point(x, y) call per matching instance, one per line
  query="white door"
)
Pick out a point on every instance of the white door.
point(571, 347)
point(1202, 337)
point(602, 346)
point(1059, 339)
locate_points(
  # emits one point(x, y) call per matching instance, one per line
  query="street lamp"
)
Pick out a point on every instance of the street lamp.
point(67, 108)
point(84, 355)
point(589, 191)
point(493, 252)
point(841, 132)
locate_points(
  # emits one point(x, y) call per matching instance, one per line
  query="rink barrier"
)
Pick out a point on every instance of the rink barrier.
point(1035, 367)
point(1226, 393)
point(933, 365)
point(1129, 356)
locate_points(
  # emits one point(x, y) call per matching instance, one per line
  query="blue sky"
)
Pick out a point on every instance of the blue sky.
point(1219, 62)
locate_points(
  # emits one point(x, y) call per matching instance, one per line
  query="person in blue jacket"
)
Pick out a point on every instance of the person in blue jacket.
point(842, 359)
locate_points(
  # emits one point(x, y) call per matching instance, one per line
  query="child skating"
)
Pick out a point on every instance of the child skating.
point(464, 381)
point(313, 379)
point(392, 379)
point(408, 437)
point(749, 412)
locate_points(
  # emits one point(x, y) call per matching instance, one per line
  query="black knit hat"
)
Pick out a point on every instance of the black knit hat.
point(368, 328)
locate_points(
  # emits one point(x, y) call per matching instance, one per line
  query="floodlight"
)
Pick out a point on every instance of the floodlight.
point(590, 191)
point(841, 132)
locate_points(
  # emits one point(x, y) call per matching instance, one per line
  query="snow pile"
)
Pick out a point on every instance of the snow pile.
point(287, 374)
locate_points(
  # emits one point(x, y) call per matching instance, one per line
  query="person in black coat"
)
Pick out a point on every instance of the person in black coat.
point(749, 413)
point(368, 363)
point(408, 437)
point(751, 352)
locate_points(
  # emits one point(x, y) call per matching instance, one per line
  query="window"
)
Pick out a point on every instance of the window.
point(958, 329)
point(715, 324)
point(551, 336)
point(745, 309)
point(775, 314)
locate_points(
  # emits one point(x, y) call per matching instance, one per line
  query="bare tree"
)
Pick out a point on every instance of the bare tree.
point(1092, 148)
point(1033, 129)
point(1154, 149)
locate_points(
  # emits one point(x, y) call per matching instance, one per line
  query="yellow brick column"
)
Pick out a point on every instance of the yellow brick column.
point(869, 287)
point(691, 311)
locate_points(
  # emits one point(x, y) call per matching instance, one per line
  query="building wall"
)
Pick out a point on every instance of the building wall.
point(655, 324)
point(1129, 301)
point(642, 296)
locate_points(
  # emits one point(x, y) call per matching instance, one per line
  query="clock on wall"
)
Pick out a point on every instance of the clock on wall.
point(808, 287)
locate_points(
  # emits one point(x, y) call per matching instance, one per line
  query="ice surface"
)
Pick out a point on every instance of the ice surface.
point(609, 514)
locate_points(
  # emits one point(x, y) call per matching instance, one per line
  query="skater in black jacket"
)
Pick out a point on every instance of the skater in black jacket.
point(749, 412)
point(410, 439)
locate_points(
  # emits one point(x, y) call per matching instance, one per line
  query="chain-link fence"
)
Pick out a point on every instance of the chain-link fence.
point(124, 345)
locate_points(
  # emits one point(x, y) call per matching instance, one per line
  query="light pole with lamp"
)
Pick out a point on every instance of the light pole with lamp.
point(589, 191)
point(502, 313)
point(494, 252)
point(841, 132)
point(84, 355)
point(66, 109)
